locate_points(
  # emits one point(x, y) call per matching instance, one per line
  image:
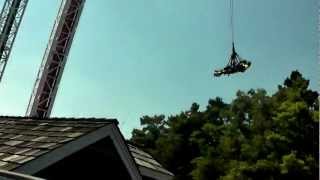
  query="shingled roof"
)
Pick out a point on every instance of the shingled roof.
point(147, 164)
point(28, 145)
point(24, 139)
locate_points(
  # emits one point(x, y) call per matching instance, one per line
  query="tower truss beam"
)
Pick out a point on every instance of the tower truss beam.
point(10, 19)
point(54, 59)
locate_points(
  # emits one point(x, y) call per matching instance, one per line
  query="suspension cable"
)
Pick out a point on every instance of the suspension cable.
point(231, 21)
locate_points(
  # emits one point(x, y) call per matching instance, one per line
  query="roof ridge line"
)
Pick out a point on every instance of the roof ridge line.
point(93, 119)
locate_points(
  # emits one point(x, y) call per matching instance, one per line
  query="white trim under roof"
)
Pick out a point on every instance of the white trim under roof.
point(84, 141)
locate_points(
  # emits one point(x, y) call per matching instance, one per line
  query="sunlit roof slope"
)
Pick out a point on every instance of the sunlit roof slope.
point(23, 139)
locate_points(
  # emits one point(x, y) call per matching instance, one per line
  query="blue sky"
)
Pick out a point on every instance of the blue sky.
point(144, 57)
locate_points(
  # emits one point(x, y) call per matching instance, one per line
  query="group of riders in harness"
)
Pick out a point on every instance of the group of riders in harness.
point(236, 64)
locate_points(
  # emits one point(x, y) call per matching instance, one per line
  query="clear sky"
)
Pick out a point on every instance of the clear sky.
point(132, 58)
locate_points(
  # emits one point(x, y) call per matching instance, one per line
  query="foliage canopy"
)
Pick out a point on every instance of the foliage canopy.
point(256, 136)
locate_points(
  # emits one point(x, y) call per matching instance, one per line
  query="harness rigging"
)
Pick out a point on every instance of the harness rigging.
point(236, 63)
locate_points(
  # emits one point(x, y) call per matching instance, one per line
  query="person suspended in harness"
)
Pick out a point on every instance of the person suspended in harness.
point(236, 64)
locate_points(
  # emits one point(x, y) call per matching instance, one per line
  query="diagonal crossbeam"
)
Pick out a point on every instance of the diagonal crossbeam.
point(54, 59)
point(10, 19)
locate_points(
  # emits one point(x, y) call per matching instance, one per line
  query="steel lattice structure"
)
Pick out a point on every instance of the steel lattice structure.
point(10, 19)
point(54, 59)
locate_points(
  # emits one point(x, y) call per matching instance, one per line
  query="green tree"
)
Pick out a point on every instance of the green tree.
point(256, 136)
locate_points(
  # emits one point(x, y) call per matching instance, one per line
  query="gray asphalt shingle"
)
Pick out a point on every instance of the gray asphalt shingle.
point(24, 139)
point(146, 160)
